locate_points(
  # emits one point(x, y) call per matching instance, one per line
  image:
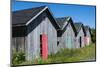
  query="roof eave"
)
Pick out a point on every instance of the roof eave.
point(36, 16)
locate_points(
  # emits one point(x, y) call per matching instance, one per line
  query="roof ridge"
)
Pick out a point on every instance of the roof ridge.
point(37, 14)
point(62, 20)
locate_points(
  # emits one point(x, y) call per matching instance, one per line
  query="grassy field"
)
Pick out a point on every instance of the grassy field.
point(68, 55)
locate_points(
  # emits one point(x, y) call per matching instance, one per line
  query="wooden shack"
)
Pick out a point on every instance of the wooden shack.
point(66, 34)
point(88, 35)
point(34, 32)
point(80, 35)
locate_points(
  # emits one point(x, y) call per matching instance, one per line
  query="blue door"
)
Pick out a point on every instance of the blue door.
point(69, 42)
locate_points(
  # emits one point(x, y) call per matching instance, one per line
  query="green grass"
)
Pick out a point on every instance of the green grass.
point(68, 55)
point(74, 55)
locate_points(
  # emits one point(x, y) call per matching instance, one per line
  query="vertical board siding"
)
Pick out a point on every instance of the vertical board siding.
point(13, 45)
point(80, 34)
point(52, 38)
point(70, 37)
point(33, 39)
point(18, 44)
point(67, 40)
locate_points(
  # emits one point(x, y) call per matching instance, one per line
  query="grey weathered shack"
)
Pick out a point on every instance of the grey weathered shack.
point(80, 35)
point(66, 34)
point(88, 35)
point(28, 25)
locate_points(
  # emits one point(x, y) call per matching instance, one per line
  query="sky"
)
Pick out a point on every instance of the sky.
point(79, 13)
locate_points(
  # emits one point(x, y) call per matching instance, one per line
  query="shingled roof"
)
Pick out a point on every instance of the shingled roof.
point(27, 19)
point(78, 26)
point(61, 21)
point(21, 17)
point(87, 28)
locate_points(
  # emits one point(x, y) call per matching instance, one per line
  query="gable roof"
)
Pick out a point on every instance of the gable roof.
point(21, 17)
point(78, 26)
point(27, 19)
point(63, 23)
point(87, 28)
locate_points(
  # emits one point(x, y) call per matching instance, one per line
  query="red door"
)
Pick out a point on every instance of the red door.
point(85, 40)
point(44, 46)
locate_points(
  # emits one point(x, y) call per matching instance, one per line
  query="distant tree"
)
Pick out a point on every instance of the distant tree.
point(93, 35)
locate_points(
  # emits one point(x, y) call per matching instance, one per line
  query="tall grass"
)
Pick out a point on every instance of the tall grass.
point(68, 55)
point(74, 55)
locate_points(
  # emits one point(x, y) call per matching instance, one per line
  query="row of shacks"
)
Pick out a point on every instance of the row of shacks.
point(37, 33)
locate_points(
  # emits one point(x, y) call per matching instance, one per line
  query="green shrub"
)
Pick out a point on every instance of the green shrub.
point(18, 57)
point(93, 35)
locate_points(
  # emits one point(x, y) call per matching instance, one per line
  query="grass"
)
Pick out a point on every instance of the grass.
point(68, 55)
point(74, 55)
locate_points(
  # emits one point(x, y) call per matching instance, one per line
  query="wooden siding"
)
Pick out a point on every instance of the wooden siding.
point(88, 38)
point(80, 34)
point(18, 44)
point(43, 24)
point(33, 39)
point(28, 37)
point(67, 40)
